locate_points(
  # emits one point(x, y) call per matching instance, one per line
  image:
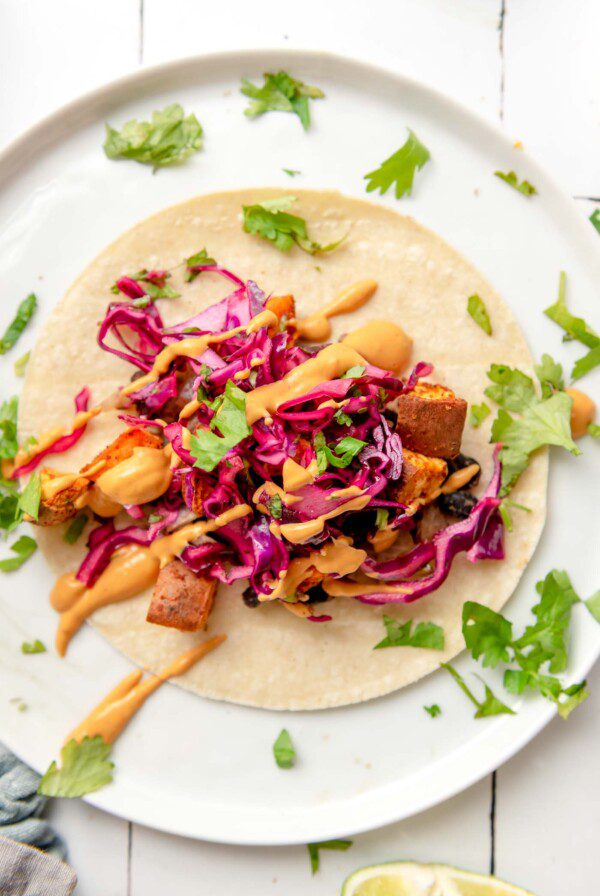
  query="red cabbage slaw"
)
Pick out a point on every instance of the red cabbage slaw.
point(352, 407)
point(61, 443)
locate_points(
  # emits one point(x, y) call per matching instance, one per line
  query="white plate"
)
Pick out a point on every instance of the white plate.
point(205, 769)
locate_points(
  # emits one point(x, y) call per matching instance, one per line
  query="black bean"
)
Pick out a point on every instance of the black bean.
point(250, 598)
point(317, 595)
point(458, 504)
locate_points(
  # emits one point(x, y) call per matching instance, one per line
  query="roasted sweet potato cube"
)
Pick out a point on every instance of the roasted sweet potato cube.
point(120, 449)
point(431, 420)
point(200, 491)
point(181, 599)
point(313, 578)
point(284, 307)
point(57, 504)
point(421, 478)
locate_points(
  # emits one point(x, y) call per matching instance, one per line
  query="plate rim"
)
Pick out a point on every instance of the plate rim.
point(69, 117)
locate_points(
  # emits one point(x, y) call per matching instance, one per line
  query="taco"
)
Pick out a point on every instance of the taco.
point(273, 445)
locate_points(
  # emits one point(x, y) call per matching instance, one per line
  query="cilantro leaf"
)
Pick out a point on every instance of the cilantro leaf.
point(75, 528)
point(320, 451)
point(10, 515)
point(594, 430)
point(271, 222)
point(399, 168)
point(29, 499)
point(595, 219)
point(489, 706)
point(275, 506)
point(585, 364)
point(478, 413)
point(542, 422)
point(505, 513)
point(18, 323)
point(433, 710)
point(283, 750)
point(344, 452)
point(381, 518)
point(230, 420)
point(550, 374)
point(291, 172)
point(478, 312)
point(170, 137)
point(486, 633)
point(36, 646)
point(546, 638)
point(21, 364)
point(512, 180)
point(8, 428)
point(575, 328)
point(575, 695)
point(23, 548)
point(198, 259)
point(280, 93)
point(399, 634)
point(343, 419)
point(593, 605)
point(354, 372)
point(85, 768)
point(313, 850)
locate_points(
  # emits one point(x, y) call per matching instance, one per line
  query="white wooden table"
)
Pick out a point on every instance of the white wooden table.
point(535, 67)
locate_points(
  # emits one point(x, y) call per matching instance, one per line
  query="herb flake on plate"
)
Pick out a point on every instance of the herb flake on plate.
point(314, 848)
point(478, 312)
point(23, 548)
point(22, 317)
point(280, 93)
point(170, 137)
point(401, 634)
point(575, 328)
point(283, 750)
point(36, 646)
point(85, 768)
point(512, 180)
point(400, 168)
point(489, 706)
point(433, 710)
point(271, 221)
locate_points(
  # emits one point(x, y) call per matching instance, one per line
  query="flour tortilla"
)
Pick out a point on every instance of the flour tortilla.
point(271, 658)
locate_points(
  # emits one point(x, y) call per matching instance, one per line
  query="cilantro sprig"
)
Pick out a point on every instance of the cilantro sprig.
point(314, 849)
point(14, 330)
point(230, 420)
point(340, 455)
point(478, 413)
point(280, 93)
point(575, 328)
point(85, 768)
point(401, 634)
point(170, 137)
point(23, 548)
point(154, 284)
point(400, 168)
point(433, 710)
point(489, 706)
point(540, 653)
point(197, 260)
point(271, 221)
point(8, 428)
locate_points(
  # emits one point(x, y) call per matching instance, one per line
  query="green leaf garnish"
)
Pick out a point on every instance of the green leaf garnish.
point(292, 172)
point(275, 506)
point(8, 428)
point(575, 328)
point(270, 221)
point(594, 430)
point(542, 422)
point(486, 633)
point(593, 605)
point(342, 419)
point(354, 373)
point(230, 420)
point(85, 769)
point(478, 413)
point(313, 850)
point(283, 750)
point(75, 528)
point(381, 518)
point(512, 180)
point(505, 513)
point(399, 634)
point(489, 706)
point(36, 646)
point(153, 289)
point(595, 219)
point(280, 93)
point(29, 499)
point(23, 548)
point(198, 258)
point(433, 710)
point(18, 323)
point(478, 312)
point(550, 374)
point(170, 137)
point(400, 168)
point(21, 363)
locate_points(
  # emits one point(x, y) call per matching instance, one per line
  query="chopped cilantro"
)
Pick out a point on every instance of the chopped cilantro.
point(280, 93)
point(594, 430)
point(505, 513)
point(354, 372)
point(595, 219)
point(23, 548)
point(154, 284)
point(433, 710)
point(478, 312)
point(29, 499)
point(170, 137)
point(399, 634)
point(342, 419)
point(381, 518)
point(275, 506)
point(270, 221)
point(400, 168)
point(291, 172)
point(85, 768)
point(542, 422)
point(550, 374)
point(36, 646)
point(489, 706)
point(340, 456)
point(313, 850)
point(8, 428)
point(199, 259)
point(21, 363)
point(283, 750)
point(75, 528)
point(512, 180)
point(10, 515)
point(320, 451)
point(18, 323)
point(478, 413)
point(575, 328)
point(593, 605)
point(230, 420)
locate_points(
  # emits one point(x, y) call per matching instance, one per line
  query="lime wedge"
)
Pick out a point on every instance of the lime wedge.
point(412, 879)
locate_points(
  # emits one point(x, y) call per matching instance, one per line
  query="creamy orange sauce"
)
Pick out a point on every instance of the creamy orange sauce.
point(193, 347)
point(382, 343)
point(98, 502)
point(338, 556)
point(111, 715)
point(271, 488)
point(341, 588)
point(329, 364)
point(383, 539)
point(317, 328)
point(24, 455)
point(296, 476)
point(142, 477)
point(298, 533)
point(459, 479)
point(170, 546)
